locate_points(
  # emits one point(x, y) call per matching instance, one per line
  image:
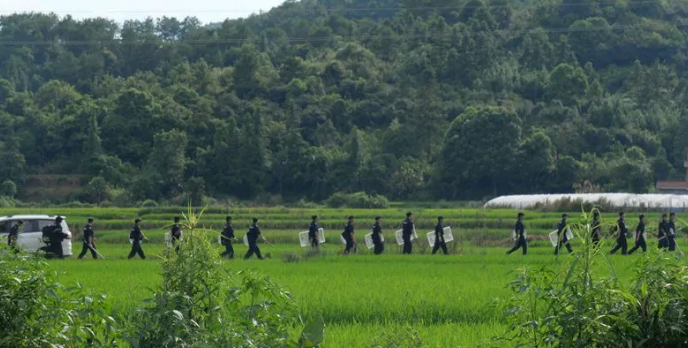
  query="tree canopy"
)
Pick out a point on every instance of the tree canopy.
point(451, 99)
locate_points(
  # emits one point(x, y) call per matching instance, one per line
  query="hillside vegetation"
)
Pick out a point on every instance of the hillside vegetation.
point(423, 99)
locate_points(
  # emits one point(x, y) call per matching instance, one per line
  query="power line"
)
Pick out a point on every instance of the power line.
point(296, 40)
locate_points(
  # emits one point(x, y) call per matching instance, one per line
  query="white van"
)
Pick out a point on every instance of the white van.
point(31, 235)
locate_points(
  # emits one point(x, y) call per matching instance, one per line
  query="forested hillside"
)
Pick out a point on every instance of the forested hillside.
point(410, 99)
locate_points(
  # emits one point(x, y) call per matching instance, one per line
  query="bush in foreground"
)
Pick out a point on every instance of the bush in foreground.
point(201, 304)
point(38, 312)
point(587, 306)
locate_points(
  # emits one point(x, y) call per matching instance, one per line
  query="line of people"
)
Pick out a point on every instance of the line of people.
point(666, 234)
point(408, 230)
point(227, 237)
point(136, 237)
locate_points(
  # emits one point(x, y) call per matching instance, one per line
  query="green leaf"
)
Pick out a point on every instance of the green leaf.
point(313, 333)
point(178, 314)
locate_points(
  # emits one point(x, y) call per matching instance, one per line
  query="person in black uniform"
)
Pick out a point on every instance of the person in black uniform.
point(377, 237)
point(227, 237)
point(596, 229)
point(672, 232)
point(252, 235)
point(348, 235)
point(136, 235)
point(313, 232)
point(56, 238)
point(89, 240)
point(520, 236)
point(621, 242)
point(14, 235)
point(561, 233)
point(176, 232)
point(439, 237)
point(407, 232)
point(663, 232)
point(639, 236)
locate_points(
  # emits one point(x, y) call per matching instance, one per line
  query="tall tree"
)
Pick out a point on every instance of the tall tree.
point(479, 151)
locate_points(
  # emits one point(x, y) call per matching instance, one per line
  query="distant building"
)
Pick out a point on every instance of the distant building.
point(675, 187)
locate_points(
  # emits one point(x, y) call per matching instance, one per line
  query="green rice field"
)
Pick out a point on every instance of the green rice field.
point(453, 301)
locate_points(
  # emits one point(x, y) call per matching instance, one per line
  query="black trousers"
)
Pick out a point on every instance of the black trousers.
point(520, 243)
point(408, 246)
point(12, 243)
point(663, 243)
point(621, 243)
point(349, 245)
point(229, 250)
point(638, 245)
point(55, 247)
point(564, 242)
point(671, 243)
point(136, 249)
point(379, 247)
point(253, 249)
point(314, 242)
point(439, 245)
point(85, 248)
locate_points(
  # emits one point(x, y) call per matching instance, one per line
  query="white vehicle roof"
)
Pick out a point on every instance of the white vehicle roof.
point(29, 217)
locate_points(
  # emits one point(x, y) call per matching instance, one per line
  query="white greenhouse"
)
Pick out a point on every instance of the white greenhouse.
point(649, 201)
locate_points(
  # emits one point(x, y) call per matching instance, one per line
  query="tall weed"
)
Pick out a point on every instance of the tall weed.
point(201, 304)
point(585, 305)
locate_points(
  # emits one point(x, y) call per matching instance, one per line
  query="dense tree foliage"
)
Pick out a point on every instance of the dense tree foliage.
point(433, 99)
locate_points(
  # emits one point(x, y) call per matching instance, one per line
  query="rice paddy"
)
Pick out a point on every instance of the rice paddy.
point(452, 301)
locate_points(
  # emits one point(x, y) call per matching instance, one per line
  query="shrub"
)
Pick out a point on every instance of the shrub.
point(37, 312)
point(404, 337)
point(149, 203)
point(290, 257)
point(7, 202)
point(357, 200)
point(8, 189)
point(301, 203)
point(585, 306)
point(97, 190)
point(201, 304)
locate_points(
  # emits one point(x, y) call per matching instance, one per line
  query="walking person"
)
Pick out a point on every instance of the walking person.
point(136, 236)
point(176, 232)
point(520, 236)
point(348, 235)
point(663, 233)
point(439, 237)
point(379, 245)
point(407, 233)
point(561, 235)
point(596, 229)
point(252, 236)
point(313, 232)
point(227, 237)
point(672, 232)
point(621, 242)
point(89, 241)
point(57, 235)
point(14, 235)
point(639, 236)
